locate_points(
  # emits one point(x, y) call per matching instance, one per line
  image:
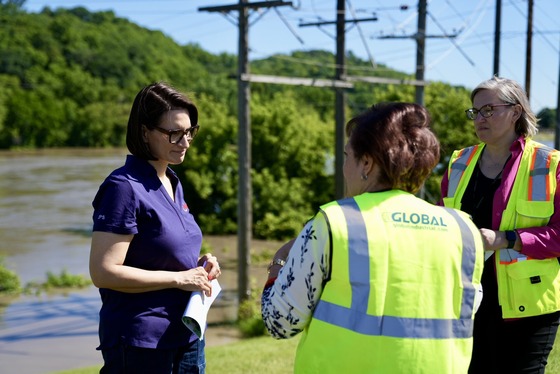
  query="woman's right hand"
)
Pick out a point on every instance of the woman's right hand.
point(194, 280)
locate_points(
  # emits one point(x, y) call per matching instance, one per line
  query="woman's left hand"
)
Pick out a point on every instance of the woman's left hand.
point(211, 265)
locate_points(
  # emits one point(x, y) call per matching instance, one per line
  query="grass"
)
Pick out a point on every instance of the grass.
point(553, 365)
point(254, 355)
point(267, 355)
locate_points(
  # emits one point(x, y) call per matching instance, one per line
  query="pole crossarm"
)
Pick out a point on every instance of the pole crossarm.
point(382, 80)
point(334, 22)
point(239, 6)
point(417, 36)
point(314, 82)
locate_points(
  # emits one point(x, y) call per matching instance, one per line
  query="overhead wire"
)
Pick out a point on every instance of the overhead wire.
point(294, 33)
point(461, 37)
point(539, 33)
point(372, 61)
point(534, 27)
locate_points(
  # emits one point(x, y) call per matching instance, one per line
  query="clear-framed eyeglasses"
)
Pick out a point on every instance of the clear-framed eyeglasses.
point(175, 136)
point(486, 111)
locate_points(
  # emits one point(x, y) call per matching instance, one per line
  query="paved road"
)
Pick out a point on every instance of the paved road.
point(46, 334)
point(43, 334)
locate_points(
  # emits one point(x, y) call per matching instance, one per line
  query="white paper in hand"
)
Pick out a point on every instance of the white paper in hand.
point(197, 308)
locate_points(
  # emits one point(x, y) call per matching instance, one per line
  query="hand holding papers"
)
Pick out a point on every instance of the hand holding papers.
point(197, 308)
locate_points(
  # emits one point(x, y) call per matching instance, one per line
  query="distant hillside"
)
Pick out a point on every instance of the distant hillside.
point(70, 76)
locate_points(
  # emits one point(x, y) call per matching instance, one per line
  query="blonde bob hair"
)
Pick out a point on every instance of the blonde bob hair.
point(510, 92)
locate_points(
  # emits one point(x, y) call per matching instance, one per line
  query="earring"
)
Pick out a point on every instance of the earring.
point(364, 177)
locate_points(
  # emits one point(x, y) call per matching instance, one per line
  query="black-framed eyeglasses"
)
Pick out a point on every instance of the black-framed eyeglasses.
point(175, 136)
point(486, 111)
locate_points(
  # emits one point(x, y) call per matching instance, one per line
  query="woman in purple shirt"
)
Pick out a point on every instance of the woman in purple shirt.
point(145, 250)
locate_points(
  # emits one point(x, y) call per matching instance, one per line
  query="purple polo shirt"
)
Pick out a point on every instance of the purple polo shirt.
point(132, 200)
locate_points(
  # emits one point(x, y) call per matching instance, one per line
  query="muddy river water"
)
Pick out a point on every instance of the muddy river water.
point(45, 208)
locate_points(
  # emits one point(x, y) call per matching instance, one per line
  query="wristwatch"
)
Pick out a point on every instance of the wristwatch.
point(511, 237)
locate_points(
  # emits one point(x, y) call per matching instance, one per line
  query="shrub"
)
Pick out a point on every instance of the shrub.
point(66, 280)
point(9, 281)
point(249, 317)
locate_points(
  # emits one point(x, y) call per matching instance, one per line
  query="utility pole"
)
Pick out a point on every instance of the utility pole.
point(529, 48)
point(244, 191)
point(557, 132)
point(420, 50)
point(497, 32)
point(340, 89)
point(244, 210)
point(420, 36)
point(340, 99)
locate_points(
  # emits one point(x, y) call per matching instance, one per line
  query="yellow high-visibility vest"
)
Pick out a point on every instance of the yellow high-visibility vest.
point(526, 287)
point(401, 293)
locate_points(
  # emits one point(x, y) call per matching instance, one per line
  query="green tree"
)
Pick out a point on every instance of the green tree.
point(447, 107)
point(70, 76)
point(209, 172)
point(290, 149)
point(100, 124)
point(547, 118)
point(17, 3)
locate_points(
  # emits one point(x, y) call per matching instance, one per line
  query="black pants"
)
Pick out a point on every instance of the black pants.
point(511, 346)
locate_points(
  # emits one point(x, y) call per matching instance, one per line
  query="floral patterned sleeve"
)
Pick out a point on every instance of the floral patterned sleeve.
point(288, 304)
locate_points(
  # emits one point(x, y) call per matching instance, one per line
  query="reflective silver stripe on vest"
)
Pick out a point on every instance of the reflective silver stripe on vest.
point(358, 245)
point(539, 175)
point(356, 318)
point(468, 262)
point(458, 168)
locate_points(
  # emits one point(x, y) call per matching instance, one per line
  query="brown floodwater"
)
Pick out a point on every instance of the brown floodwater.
point(45, 208)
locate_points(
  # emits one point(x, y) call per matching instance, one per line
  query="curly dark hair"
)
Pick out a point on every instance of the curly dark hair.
point(399, 139)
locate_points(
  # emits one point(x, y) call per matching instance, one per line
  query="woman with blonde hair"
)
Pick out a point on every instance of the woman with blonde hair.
point(507, 183)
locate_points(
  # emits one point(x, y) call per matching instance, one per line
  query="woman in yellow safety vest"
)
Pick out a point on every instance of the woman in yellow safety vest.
point(380, 281)
point(507, 183)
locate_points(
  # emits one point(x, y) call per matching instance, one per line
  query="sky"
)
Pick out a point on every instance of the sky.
point(464, 59)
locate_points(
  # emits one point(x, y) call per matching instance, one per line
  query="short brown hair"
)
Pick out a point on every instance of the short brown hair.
point(147, 110)
point(399, 139)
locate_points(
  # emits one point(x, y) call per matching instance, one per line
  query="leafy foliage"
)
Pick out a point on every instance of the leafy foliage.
point(547, 118)
point(9, 281)
point(249, 319)
point(70, 75)
point(66, 280)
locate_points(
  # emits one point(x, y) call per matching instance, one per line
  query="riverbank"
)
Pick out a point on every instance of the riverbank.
point(50, 333)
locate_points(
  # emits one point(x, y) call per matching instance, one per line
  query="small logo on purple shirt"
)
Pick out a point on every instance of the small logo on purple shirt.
point(185, 207)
